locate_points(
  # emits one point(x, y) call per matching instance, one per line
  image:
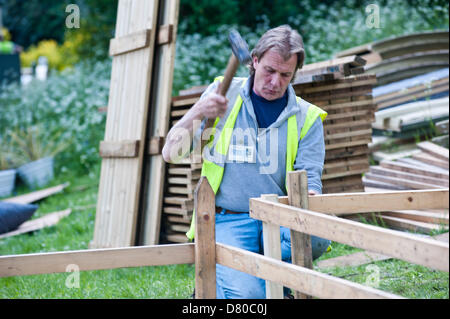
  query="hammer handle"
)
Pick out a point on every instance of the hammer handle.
point(233, 64)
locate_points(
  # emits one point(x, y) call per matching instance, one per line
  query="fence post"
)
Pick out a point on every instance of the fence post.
point(301, 249)
point(205, 241)
point(272, 248)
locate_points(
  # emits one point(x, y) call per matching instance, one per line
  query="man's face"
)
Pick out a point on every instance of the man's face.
point(273, 74)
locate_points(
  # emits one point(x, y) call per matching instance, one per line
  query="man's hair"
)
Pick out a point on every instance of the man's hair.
point(285, 41)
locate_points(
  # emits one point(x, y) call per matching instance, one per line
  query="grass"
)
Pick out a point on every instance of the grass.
point(392, 275)
point(75, 231)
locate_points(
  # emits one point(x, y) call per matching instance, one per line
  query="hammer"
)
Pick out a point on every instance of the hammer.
point(241, 55)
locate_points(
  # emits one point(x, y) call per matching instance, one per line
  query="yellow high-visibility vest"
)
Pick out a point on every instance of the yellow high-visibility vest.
point(214, 172)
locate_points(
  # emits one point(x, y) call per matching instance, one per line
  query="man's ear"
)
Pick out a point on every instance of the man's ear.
point(255, 61)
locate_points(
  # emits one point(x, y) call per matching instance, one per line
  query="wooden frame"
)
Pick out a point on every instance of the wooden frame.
point(205, 253)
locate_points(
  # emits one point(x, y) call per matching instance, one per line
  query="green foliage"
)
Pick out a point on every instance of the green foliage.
point(326, 30)
point(33, 144)
point(32, 21)
point(67, 105)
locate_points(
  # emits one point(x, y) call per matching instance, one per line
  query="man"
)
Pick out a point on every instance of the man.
point(261, 131)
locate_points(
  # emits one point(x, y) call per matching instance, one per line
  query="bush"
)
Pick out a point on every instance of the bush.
point(67, 101)
point(326, 30)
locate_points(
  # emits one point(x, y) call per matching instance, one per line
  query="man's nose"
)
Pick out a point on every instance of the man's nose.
point(275, 79)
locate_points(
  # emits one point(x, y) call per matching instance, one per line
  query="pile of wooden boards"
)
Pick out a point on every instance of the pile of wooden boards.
point(330, 69)
point(402, 57)
point(426, 86)
point(181, 178)
point(426, 168)
point(132, 172)
point(347, 130)
point(408, 107)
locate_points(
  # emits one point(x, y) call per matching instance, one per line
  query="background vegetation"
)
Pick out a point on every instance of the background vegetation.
point(78, 85)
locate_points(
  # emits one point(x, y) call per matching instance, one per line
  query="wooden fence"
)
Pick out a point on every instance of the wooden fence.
point(304, 215)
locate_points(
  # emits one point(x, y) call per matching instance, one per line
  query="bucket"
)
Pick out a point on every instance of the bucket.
point(37, 173)
point(7, 182)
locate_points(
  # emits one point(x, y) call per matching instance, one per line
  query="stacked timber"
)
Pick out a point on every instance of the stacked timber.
point(422, 87)
point(412, 107)
point(427, 167)
point(179, 199)
point(347, 128)
point(330, 69)
point(402, 57)
point(181, 178)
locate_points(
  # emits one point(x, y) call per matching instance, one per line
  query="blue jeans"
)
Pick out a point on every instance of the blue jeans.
point(239, 230)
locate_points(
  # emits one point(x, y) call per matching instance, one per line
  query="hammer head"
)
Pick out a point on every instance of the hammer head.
point(239, 47)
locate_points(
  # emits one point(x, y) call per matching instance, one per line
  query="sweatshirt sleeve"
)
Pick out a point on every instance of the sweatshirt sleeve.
point(311, 155)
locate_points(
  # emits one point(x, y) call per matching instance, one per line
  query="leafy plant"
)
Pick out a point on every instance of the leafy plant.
point(32, 144)
point(67, 103)
point(6, 156)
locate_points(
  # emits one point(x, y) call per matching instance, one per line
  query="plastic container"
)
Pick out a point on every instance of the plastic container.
point(37, 173)
point(7, 182)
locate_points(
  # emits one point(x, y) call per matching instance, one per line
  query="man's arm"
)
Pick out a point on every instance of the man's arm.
point(311, 156)
point(179, 139)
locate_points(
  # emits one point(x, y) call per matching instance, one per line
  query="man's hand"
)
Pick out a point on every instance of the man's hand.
point(312, 192)
point(212, 106)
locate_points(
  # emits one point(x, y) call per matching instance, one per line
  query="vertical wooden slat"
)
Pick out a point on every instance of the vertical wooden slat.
point(272, 248)
point(301, 249)
point(205, 241)
point(157, 126)
point(119, 189)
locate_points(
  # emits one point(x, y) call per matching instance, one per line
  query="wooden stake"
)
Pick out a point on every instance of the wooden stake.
point(272, 248)
point(205, 238)
point(301, 249)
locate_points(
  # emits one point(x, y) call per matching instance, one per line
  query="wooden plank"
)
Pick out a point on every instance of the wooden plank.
point(414, 169)
point(402, 224)
point(301, 249)
point(115, 149)
point(96, 259)
point(363, 257)
point(272, 249)
point(47, 220)
point(158, 125)
point(434, 150)
point(422, 251)
point(155, 145)
point(421, 216)
point(128, 104)
point(429, 159)
point(37, 195)
point(342, 204)
point(402, 182)
point(308, 281)
point(130, 42)
point(378, 170)
point(364, 141)
point(386, 186)
point(166, 34)
point(205, 237)
point(352, 260)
